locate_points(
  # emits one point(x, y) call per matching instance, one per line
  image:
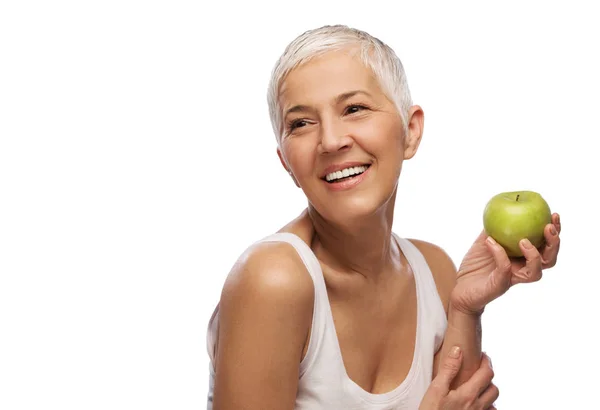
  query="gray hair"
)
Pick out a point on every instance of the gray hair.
point(375, 54)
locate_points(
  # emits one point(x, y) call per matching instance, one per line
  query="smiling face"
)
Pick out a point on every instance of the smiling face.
point(343, 139)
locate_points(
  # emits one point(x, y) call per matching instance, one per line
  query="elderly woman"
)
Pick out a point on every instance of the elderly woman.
point(335, 311)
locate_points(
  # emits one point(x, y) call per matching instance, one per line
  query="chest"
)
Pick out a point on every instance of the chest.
point(376, 332)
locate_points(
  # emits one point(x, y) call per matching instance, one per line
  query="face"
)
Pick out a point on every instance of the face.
point(344, 141)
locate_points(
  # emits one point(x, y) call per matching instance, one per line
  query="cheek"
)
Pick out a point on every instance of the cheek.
point(385, 143)
point(396, 141)
point(388, 148)
point(300, 157)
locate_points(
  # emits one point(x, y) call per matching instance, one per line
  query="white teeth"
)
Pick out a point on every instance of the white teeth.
point(345, 173)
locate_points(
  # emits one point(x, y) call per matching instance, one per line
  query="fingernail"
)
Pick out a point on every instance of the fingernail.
point(491, 240)
point(455, 352)
point(557, 219)
point(553, 230)
point(491, 366)
point(526, 244)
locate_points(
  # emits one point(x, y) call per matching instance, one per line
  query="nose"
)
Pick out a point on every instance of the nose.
point(334, 137)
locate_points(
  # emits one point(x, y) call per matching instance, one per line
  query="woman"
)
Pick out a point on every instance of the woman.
point(335, 311)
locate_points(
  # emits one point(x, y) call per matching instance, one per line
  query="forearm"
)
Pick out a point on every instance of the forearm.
point(464, 330)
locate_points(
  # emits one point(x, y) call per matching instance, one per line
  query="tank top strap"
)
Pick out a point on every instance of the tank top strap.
point(305, 252)
point(321, 303)
point(433, 318)
point(417, 262)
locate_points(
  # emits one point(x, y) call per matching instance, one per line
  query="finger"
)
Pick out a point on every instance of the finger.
point(556, 221)
point(550, 250)
point(449, 368)
point(482, 237)
point(489, 396)
point(500, 279)
point(479, 381)
point(532, 271)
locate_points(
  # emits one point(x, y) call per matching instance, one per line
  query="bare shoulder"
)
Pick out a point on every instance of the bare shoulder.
point(442, 268)
point(265, 314)
point(270, 269)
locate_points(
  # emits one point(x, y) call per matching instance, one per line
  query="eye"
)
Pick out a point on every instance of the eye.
point(299, 123)
point(354, 108)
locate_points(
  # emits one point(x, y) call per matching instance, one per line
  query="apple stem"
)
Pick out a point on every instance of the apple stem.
point(517, 198)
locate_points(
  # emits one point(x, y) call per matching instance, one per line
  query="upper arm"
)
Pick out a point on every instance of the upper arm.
point(442, 268)
point(444, 273)
point(264, 318)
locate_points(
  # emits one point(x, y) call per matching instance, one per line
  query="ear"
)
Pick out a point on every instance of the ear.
point(415, 121)
point(288, 170)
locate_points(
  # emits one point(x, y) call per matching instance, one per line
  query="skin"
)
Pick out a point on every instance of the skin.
point(486, 273)
point(335, 112)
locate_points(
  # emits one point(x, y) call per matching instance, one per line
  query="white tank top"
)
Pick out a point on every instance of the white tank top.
point(323, 381)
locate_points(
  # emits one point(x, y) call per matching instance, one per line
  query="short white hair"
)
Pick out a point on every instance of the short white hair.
point(375, 54)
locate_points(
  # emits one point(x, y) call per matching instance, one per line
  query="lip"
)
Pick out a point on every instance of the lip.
point(339, 167)
point(348, 183)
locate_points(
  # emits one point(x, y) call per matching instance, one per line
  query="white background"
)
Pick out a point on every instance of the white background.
point(137, 162)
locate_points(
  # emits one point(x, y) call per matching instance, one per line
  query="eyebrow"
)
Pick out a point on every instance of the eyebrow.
point(344, 96)
point(340, 98)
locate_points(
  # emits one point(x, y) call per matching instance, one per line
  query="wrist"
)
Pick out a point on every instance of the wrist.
point(460, 315)
point(458, 307)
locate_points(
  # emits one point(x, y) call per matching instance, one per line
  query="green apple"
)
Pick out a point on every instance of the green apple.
point(511, 216)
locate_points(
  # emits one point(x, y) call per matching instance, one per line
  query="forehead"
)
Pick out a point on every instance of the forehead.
point(326, 77)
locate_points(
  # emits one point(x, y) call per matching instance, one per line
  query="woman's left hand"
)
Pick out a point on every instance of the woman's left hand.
point(487, 272)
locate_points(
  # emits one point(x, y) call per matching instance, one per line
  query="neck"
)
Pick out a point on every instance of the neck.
point(364, 246)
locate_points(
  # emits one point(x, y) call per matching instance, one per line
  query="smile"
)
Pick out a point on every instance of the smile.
point(347, 178)
point(345, 174)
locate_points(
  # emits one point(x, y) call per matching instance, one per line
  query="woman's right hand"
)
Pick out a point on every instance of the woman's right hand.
point(478, 393)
